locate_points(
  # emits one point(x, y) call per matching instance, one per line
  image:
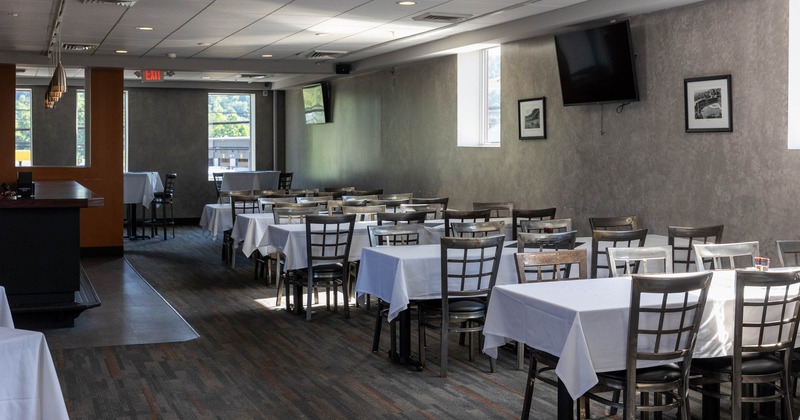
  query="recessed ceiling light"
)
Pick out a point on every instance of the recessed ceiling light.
point(322, 34)
point(406, 3)
point(144, 28)
point(206, 77)
point(121, 51)
point(266, 55)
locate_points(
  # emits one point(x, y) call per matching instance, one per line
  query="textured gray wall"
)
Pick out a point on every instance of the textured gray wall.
point(397, 130)
point(168, 132)
point(54, 129)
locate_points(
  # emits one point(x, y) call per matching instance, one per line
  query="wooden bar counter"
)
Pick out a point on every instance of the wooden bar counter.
point(40, 253)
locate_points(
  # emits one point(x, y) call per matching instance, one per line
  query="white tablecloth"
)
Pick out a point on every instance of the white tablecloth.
point(216, 218)
point(250, 230)
point(584, 323)
point(29, 387)
point(5, 310)
point(139, 187)
point(291, 240)
point(250, 180)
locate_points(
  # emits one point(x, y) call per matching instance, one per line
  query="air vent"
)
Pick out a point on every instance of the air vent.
point(255, 76)
point(441, 17)
point(68, 46)
point(125, 3)
point(325, 55)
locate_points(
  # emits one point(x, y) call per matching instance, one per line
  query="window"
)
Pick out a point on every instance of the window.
point(231, 133)
point(479, 98)
point(22, 128)
point(80, 135)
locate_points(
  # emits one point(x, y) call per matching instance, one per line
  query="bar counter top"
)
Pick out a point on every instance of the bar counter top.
point(55, 194)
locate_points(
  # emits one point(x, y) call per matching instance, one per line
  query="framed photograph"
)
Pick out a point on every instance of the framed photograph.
point(708, 104)
point(532, 124)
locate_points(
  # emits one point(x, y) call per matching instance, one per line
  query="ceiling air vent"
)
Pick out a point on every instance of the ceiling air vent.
point(255, 76)
point(325, 55)
point(126, 3)
point(441, 17)
point(69, 46)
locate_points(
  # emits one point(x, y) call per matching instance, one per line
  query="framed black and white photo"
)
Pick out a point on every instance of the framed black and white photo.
point(708, 104)
point(532, 124)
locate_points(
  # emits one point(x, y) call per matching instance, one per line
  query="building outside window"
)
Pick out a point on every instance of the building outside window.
point(22, 128)
point(479, 98)
point(231, 133)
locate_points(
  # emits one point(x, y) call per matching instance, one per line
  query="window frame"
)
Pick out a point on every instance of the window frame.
point(28, 129)
point(213, 149)
point(474, 91)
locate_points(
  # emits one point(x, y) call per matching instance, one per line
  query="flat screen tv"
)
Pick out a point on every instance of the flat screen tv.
point(316, 103)
point(596, 65)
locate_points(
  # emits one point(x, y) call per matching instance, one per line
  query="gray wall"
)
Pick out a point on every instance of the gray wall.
point(397, 130)
point(168, 132)
point(53, 130)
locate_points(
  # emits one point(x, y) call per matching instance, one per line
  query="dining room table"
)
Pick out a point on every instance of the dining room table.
point(215, 219)
point(139, 188)
point(584, 324)
point(250, 180)
point(5, 310)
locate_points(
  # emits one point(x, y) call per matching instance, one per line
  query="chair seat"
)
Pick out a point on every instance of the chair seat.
point(655, 374)
point(751, 365)
point(455, 305)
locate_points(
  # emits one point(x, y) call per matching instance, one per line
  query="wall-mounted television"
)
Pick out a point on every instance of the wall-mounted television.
point(596, 65)
point(316, 103)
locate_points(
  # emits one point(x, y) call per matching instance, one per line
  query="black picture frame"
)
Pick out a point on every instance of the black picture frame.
point(532, 119)
point(708, 104)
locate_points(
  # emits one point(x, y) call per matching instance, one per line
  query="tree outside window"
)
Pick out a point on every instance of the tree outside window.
point(22, 128)
point(230, 133)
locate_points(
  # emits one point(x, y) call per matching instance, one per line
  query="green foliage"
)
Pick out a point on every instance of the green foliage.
point(228, 115)
point(22, 133)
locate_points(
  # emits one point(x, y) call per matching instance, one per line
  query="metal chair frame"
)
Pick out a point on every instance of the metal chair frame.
point(635, 260)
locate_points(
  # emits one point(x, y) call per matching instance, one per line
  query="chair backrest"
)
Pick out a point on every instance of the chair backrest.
point(519, 215)
point(375, 192)
point(364, 213)
point(460, 216)
point(545, 226)
point(623, 261)
point(320, 201)
point(618, 239)
point(546, 241)
point(394, 235)
point(497, 209)
point(683, 250)
point(217, 183)
point(392, 206)
point(614, 223)
point(287, 215)
point(439, 202)
point(548, 266)
point(666, 311)
point(306, 192)
point(339, 189)
point(725, 256)
point(789, 252)
point(469, 267)
point(328, 240)
point(169, 183)
point(478, 229)
point(268, 203)
point(285, 181)
point(397, 196)
point(241, 204)
point(399, 218)
point(766, 314)
point(366, 198)
point(431, 211)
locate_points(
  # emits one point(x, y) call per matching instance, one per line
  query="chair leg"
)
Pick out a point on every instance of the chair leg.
point(520, 355)
point(376, 335)
point(164, 221)
point(526, 403)
point(444, 341)
point(308, 306)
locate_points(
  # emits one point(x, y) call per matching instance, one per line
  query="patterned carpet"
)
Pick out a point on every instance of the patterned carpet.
point(254, 361)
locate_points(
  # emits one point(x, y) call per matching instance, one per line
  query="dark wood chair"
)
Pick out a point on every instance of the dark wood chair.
point(240, 204)
point(497, 209)
point(163, 199)
point(617, 238)
point(789, 252)
point(461, 216)
point(614, 223)
point(285, 181)
point(518, 215)
point(683, 250)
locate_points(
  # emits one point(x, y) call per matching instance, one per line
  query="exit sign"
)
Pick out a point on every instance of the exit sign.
point(151, 76)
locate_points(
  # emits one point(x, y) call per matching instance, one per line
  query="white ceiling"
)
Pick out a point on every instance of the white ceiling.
point(219, 40)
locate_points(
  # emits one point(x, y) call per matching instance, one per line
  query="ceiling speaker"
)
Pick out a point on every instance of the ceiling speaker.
point(343, 68)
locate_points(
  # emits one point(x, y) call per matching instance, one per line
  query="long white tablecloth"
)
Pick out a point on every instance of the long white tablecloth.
point(140, 187)
point(251, 230)
point(250, 180)
point(216, 218)
point(29, 387)
point(585, 323)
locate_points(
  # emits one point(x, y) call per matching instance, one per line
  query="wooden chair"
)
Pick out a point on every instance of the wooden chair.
point(497, 209)
point(468, 273)
point(398, 218)
point(725, 256)
point(285, 181)
point(614, 223)
point(682, 252)
point(439, 202)
point(240, 204)
point(546, 241)
point(618, 238)
point(659, 331)
point(164, 199)
point(431, 211)
point(460, 216)
point(789, 252)
point(763, 344)
point(545, 226)
point(328, 240)
point(518, 215)
point(364, 213)
point(478, 229)
point(638, 260)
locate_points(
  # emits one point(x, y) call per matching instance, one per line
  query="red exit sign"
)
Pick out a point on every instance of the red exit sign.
point(152, 76)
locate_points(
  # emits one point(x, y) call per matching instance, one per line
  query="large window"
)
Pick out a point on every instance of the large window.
point(231, 132)
point(22, 128)
point(80, 135)
point(479, 98)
